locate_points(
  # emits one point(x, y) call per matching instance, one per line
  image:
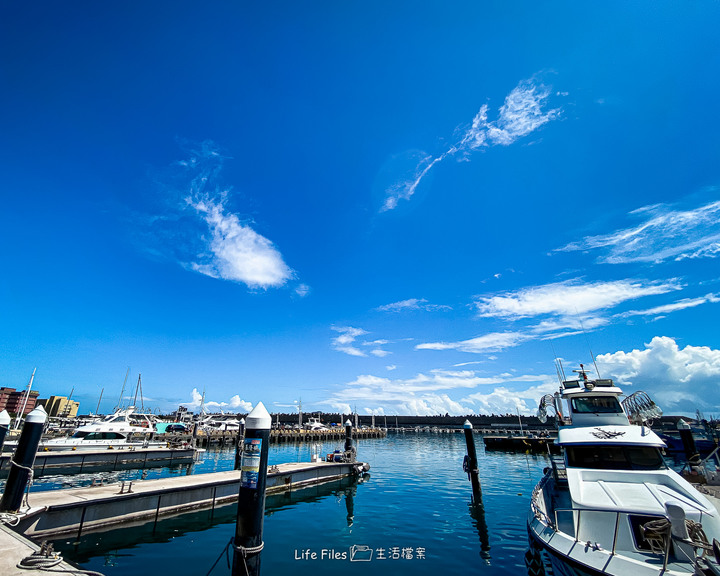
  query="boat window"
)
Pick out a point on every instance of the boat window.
point(595, 404)
point(80, 434)
point(615, 457)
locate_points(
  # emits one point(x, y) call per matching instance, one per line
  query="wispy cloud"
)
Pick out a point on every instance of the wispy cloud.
point(493, 342)
point(664, 234)
point(521, 114)
point(560, 309)
point(412, 304)
point(345, 341)
point(205, 236)
point(568, 299)
point(675, 306)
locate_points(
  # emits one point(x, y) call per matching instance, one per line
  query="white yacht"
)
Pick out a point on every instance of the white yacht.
point(122, 429)
point(610, 505)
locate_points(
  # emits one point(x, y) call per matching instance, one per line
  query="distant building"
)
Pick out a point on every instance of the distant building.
point(13, 401)
point(60, 406)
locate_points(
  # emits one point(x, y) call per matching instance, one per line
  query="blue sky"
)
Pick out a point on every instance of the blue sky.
point(397, 208)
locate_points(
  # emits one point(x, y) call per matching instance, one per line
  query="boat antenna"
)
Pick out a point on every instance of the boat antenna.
point(589, 348)
point(558, 365)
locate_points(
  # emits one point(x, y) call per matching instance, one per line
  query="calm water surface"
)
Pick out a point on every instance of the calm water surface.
point(411, 515)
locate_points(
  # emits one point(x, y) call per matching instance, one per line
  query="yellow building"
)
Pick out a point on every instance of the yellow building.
point(62, 407)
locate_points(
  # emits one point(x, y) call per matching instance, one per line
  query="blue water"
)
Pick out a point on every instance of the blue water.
point(412, 515)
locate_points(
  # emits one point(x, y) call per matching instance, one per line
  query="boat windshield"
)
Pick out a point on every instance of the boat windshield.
point(596, 404)
point(615, 457)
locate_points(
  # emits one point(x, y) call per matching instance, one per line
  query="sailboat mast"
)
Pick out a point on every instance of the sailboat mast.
point(120, 401)
point(19, 416)
point(97, 410)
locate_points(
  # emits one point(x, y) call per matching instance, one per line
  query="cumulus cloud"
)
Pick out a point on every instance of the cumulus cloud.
point(665, 233)
point(436, 393)
point(680, 380)
point(236, 403)
point(522, 113)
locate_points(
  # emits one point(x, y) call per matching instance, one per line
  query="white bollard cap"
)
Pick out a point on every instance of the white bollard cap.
point(348, 423)
point(4, 418)
point(467, 425)
point(37, 416)
point(259, 418)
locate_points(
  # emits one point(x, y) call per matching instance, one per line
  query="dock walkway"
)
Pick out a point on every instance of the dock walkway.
point(15, 548)
point(77, 510)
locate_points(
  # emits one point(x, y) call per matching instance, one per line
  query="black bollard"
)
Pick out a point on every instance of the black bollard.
point(238, 443)
point(248, 542)
point(350, 452)
point(194, 435)
point(470, 465)
point(22, 460)
point(686, 435)
point(4, 426)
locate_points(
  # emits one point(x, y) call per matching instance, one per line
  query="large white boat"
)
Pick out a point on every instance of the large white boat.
point(610, 505)
point(120, 430)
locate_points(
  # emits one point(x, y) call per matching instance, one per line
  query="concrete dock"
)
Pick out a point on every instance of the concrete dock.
point(77, 510)
point(14, 549)
point(79, 461)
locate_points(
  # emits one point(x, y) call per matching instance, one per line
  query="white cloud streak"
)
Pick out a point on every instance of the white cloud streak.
point(568, 299)
point(664, 234)
point(562, 308)
point(521, 113)
point(412, 304)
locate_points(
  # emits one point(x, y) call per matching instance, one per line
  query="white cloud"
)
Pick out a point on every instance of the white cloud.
point(432, 393)
point(493, 342)
point(235, 251)
point(344, 342)
point(680, 380)
point(235, 402)
point(412, 304)
point(675, 306)
point(664, 234)
point(570, 298)
point(521, 113)
point(202, 234)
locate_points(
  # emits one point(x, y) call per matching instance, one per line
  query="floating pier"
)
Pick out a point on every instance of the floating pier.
point(522, 443)
point(79, 461)
point(75, 511)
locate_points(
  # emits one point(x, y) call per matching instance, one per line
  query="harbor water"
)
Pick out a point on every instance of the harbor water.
point(412, 514)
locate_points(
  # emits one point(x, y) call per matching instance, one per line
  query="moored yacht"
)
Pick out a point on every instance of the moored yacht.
point(122, 429)
point(610, 504)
